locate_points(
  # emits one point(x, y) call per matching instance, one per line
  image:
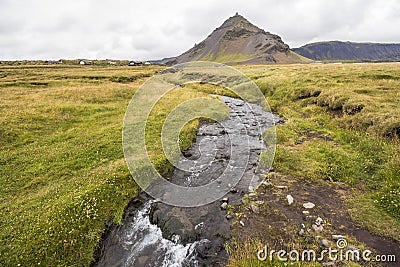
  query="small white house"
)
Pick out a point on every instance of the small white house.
point(85, 62)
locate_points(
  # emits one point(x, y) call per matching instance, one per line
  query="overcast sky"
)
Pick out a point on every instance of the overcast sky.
point(149, 29)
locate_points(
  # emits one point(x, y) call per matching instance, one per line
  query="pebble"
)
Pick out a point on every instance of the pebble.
point(290, 199)
point(308, 205)
point(228, 217)
point(255, 209)
point(241, 223)
point(224, 205)
point(306, 212)
point(260, 202)
point(324, 243)
point(252, 194)
point(301, 232)
point(225, 199)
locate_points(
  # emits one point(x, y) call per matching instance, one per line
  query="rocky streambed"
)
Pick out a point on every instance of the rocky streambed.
point(157, 234)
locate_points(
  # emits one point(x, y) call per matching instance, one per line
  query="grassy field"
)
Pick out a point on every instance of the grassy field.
point(63, 177)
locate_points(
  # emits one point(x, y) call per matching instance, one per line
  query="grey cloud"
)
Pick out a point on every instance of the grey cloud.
point(152, 29)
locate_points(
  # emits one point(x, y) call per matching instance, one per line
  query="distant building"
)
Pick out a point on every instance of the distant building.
point(135, 63)
point(85, 62)
point(112, 63)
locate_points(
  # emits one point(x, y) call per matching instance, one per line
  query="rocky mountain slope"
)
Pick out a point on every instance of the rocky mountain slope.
point(237, 41)
point(350, 51)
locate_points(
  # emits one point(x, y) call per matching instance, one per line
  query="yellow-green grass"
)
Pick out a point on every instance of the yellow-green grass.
point(63, 176)
point(342, 125)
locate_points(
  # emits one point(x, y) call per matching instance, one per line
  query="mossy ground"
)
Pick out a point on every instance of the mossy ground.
point(63, 176)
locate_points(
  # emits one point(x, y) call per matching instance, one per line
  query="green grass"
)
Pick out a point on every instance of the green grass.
point(63, 176)
point(342, 125)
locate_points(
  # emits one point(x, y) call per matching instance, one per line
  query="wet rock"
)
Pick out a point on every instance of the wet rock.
point(188, 222)
point(324, 243)
point(202, 249)
point(255, 209)
point(308, 205)
point(143, 259)
point(290, 199)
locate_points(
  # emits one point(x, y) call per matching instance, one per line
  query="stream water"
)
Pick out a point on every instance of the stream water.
point(156, 234)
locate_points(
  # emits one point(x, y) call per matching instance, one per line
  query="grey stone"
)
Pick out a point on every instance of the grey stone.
point(255, 209)
point(224, 206)
point(324, 243)
point(308, 205)
point(290, 199)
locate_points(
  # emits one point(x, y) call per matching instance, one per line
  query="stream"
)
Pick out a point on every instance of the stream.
point(156, 234)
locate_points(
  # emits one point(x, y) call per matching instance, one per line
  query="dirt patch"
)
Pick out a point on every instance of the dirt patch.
point(282, 226)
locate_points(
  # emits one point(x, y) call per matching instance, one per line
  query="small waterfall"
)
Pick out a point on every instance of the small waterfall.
point(141, 237)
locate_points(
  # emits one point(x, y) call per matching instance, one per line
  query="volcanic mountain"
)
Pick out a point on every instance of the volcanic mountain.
point(237, 41)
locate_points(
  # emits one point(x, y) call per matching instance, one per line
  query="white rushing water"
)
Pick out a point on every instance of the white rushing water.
point(143, 237)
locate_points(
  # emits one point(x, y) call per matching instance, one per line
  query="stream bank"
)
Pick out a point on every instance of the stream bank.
point(157, 234)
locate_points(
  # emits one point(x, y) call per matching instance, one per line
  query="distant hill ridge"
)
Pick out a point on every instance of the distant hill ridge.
point(237, 41)
point(337, 50)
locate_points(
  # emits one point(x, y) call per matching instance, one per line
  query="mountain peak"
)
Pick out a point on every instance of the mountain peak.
point(238, 21)
point(238, 41)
